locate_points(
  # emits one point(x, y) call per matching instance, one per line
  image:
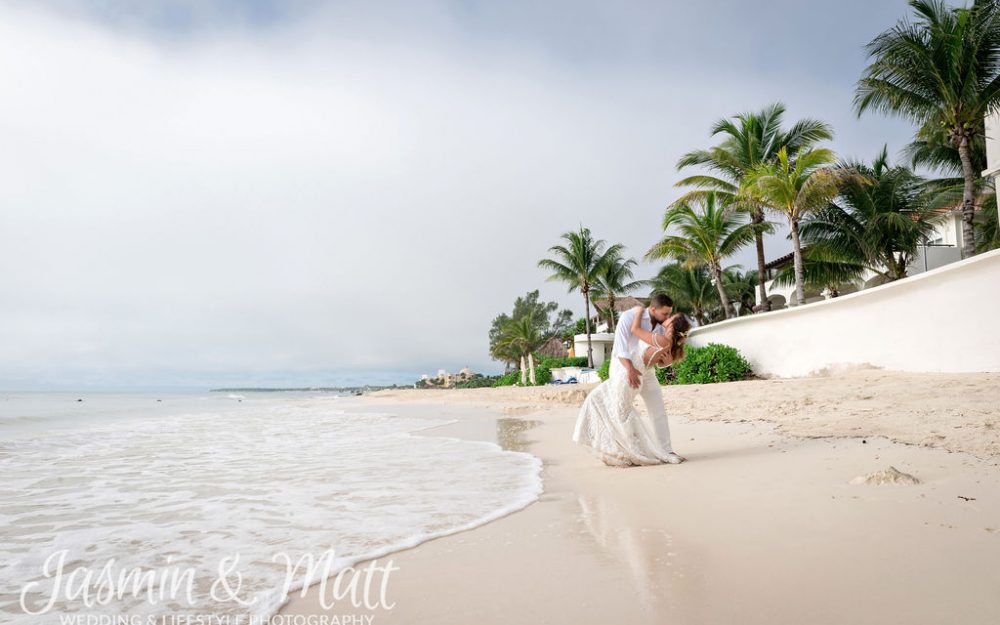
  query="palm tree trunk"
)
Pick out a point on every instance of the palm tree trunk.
point(590, 348)
point(757, 218)
point(531, 368)
point(727, 308)
point(800, 294)
point(522, 372)
point(968, 207)
point(900, 271)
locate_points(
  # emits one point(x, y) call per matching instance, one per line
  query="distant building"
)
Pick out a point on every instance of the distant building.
point(445, 380)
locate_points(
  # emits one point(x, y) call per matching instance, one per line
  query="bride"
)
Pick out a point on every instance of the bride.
point(608, 420)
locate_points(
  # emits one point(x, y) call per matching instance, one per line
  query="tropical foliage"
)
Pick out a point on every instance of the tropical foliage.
point(554, 363)
point(848, 220)
point(604, 370)
point(941, 70)
point(579, 263)
point(877, 224)
point(987, 229)
point(521, 337)
point(748, 141)
point(691, 289)
point(710, 364)
point(741, 287)
point(797, 188)
point(708, 233)
point(531, 323)
point(613, 281)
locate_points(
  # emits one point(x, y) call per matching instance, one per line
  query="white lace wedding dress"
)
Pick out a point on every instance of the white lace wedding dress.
point(610, 424)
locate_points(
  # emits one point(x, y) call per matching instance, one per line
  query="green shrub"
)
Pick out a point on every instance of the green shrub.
point(709, 364)
point(553, 363)
point(604, 370)
point(508, 379)
point(665, 375)
point(480, 381)
point(543, 375)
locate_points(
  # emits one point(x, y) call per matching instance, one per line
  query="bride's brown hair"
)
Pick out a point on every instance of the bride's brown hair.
point(679, 326)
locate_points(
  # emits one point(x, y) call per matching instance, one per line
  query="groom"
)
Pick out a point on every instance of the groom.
point(659, 310)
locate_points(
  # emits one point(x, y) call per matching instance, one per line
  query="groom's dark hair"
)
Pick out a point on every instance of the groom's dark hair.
point(659, 300)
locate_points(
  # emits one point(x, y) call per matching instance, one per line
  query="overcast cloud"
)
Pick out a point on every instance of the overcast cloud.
point(205, 193)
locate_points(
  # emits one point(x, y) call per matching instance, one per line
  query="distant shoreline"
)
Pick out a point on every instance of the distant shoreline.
point(327, 389)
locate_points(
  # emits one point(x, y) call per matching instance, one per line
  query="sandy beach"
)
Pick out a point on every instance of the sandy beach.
point(762, 524)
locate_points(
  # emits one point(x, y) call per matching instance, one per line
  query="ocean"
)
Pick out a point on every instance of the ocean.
point(184, 482)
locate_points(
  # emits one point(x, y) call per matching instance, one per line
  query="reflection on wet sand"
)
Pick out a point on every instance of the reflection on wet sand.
point(511, 433)
point(647, 557)
point(657, 573)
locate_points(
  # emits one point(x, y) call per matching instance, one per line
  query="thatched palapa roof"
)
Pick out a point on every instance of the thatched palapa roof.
point(622, 303)
point(553, 348)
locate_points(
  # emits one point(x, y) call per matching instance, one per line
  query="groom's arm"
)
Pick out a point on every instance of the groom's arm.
point(645, 335)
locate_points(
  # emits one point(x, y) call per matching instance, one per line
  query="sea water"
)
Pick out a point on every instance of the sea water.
point(183, 482)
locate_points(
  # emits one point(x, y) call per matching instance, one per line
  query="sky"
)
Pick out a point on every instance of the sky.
point(210, 192)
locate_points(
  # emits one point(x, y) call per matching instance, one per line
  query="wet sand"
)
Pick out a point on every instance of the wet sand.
point(758, 526)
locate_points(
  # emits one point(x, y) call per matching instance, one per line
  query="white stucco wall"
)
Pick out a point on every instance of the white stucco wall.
point(600, 342)
point(940, 320)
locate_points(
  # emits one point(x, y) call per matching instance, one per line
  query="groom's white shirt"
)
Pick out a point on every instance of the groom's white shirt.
point(625, 341)
point(650, 391)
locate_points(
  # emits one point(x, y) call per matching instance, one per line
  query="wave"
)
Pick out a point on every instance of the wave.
point(294, 477)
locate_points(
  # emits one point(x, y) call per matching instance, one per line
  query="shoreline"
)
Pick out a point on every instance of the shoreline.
point(922, 409)
point(760, 525)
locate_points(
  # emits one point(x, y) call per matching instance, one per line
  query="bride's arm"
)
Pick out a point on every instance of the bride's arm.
point(646, 335)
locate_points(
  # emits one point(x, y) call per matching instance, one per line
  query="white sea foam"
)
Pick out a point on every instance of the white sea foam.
point(296, 477)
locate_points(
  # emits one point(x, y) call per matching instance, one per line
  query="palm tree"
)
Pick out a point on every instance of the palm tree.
point(942, 71)
point(749, 139)
point(613, 281)
point(547, 318)
point(795, 189)
point(741, 286)
point(521, 337)
point(579, 263)
point(709, 233)
point(690, 288)
point(988, 232)
point(824, 269)
point(942, 156)
point(878, 222)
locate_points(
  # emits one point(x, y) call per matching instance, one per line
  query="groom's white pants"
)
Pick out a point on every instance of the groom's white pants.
point(652, 397)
